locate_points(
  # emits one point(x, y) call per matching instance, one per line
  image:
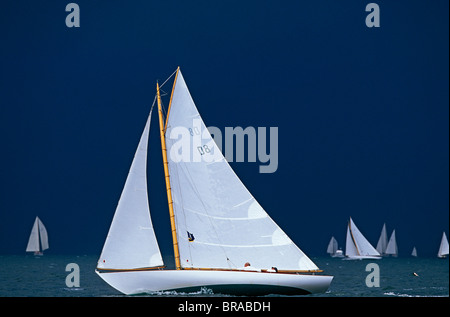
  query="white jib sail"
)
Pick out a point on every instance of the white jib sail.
point(362, 246)
point(33, 240)
point(443, 248)
point(219, 223)
point(392, 245)
point(382, 241)
point(131, 242)
point(43, 235)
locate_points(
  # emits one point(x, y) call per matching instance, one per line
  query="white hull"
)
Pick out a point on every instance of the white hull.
point(362, 257)
point(222, 282)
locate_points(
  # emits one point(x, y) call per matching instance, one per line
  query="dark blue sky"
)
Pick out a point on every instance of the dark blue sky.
point(362, 113)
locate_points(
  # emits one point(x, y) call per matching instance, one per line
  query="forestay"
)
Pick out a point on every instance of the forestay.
point(131, 241)
point(219, 223)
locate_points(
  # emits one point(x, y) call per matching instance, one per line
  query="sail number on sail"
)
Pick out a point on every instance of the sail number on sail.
point(201, 149)
point(192, 140)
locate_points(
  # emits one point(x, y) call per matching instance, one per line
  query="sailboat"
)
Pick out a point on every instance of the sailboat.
point(382, 241)
point(333, 249)
point(38, 240)
point(357, 247)
point(217, 225)
point(414, 252)
point(391, 248)
point(443, 248)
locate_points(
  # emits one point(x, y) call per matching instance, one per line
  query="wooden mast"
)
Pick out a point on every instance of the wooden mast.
point(166, 173)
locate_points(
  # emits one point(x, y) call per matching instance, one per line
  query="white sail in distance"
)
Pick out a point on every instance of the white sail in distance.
point(38, 233)
point(382, 241)
point(350, 246)
point(43, 235)
point(219, 224)
point(332, 246)
point(357, 244)
point(443, 247)
point(131, 242)
point(391, 248)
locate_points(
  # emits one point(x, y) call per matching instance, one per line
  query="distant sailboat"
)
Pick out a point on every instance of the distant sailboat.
point(414, 252)
point(216, 224)
point(382, 241)
point(38, 241)
point(333, 249)
point(357, 247)
point(391, 248)
point(443, 248)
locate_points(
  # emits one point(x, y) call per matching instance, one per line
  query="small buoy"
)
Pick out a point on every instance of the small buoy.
point(415, 274)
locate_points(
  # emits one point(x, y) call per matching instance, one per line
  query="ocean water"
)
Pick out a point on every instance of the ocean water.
point(45, 276)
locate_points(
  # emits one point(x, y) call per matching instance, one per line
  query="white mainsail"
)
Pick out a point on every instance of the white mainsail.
point(131, 241)
point(391, 248)
point(38, 232)
point(350, 246)
point(443, 248)
point(414, 252)
point(333, 249)
point(357, 245)
point(332, 246)
point(382, 241)
point(219, 223)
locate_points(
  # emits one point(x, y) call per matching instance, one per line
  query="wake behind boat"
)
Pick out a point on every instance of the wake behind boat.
point(217, 225)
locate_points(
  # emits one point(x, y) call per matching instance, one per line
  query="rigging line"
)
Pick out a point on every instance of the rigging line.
point(162, 107)
point(168, 78)
point(165, 93)
point(165, 112)
point(162, 93)
point(153, 104)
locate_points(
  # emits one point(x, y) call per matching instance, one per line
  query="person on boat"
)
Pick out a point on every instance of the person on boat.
point(273, 269)
point(248, 267)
